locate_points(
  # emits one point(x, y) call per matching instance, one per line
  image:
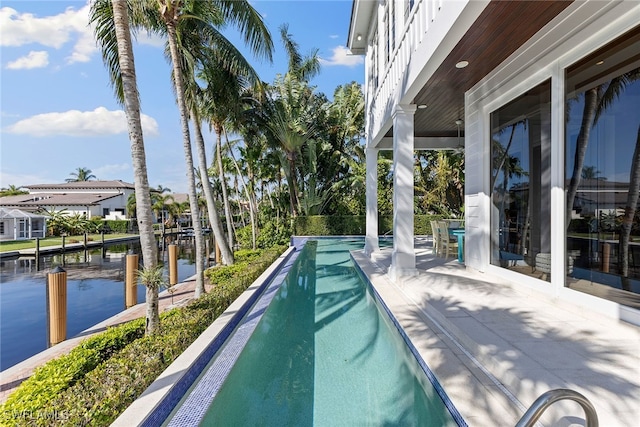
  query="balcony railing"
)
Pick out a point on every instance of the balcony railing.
point(415, 31)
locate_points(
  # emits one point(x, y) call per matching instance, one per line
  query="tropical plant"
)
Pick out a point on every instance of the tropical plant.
point(12, 190)
point(56, 220)
point(113, 34)
point(153, 279)
point(81, 174)
point(160, 204)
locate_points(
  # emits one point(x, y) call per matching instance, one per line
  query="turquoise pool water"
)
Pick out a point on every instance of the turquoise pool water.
point(324, 353)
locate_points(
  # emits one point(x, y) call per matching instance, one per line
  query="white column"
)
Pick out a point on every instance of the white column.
point(371, 238)
point(403, 258)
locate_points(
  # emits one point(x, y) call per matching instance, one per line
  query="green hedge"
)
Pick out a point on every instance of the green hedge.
point(320, 225)
point(117, 226)
point(98, 380)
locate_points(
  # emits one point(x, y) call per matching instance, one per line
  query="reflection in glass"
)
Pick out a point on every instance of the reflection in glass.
point(603, 171)
point(520, 183)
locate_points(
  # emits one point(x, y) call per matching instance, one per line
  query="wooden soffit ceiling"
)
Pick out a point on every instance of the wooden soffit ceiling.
point(500, 30)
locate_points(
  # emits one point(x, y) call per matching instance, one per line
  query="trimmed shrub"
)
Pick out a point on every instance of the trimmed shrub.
point(117, 226)
point(336, 225)
point(96, 382)
point(34, 394)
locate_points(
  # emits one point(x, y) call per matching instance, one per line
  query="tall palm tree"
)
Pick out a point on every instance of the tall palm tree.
point(176, 19)
point(214, 218)
point(113, 34)
point(81, 174)
point(220, 103)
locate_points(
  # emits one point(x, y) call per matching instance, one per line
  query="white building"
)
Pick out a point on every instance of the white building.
point(106, 199)
point(545, 96)
point(18, 225)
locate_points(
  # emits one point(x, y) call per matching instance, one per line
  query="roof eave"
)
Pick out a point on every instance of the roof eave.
point(361, 13)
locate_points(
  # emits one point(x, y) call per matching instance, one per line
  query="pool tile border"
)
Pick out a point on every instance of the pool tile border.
point(160, 399)
point(194, 408)
point(457, 417)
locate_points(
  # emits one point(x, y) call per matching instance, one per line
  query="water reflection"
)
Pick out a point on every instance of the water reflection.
point(95, 292)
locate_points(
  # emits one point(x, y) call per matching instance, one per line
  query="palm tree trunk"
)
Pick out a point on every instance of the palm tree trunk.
point(216, 226)
point(251, 207)
point(630, 210)
point(138, 158)
point(184, 121)
point(223, 183)
point(589, 112)
point(293, 186)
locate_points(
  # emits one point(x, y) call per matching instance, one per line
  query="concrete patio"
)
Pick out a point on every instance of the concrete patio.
point(495, 347)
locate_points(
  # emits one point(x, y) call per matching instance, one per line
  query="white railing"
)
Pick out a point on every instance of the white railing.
point(422, 15)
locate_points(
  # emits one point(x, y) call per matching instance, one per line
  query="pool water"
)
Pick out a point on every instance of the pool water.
point(324, 353)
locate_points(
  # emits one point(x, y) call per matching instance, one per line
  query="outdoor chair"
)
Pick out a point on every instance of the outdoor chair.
point(436, 237)
point(447, 244)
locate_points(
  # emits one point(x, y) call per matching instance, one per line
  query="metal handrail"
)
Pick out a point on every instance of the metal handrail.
point(548, 398)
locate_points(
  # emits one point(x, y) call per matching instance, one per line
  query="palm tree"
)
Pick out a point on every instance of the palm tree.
point(219, 104)
point(591, 172)
point(81, 174)
point(160, 204)
point(12, 190)
point(214, 219)
point(630, 209)
point(596, 101)
point(179, 20)
point(160, 189)
point(112, 31)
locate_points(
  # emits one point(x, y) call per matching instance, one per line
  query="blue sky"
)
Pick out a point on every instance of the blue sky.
point(58, 111)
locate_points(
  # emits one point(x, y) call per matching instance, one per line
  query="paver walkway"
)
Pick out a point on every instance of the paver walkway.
point(495, 346)
point(12, 377)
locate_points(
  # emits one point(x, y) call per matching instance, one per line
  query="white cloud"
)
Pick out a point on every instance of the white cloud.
point(35, 59)
point(19, 29)
point(98, 122)
point(111, 171)
point(342, 56)
point(5, 114)
point(7, 179)
point(333, 36)
point(149, 39)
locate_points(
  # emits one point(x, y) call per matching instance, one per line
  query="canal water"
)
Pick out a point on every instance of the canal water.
point(95, 292)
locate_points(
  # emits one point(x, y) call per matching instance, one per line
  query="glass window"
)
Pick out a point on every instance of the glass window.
point(1, 227)
point(602, 145)
point(520, 183)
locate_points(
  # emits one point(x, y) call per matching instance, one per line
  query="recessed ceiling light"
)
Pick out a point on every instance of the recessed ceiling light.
point(462, 64)
point(359, 37)
point(600, 62)
point(422, 106)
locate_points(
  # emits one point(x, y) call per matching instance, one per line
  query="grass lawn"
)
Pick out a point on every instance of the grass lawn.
point(18, 245)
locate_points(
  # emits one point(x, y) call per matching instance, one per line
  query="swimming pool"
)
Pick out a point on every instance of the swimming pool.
point(321, 350)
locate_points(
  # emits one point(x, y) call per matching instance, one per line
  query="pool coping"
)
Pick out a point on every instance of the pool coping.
point(161, 398)
point(154, 405)
point(433, 380)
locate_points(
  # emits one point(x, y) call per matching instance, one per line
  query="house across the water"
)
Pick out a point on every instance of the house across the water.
point(22, 215)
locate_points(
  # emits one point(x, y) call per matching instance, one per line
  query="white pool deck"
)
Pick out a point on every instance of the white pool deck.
point(495, 346)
